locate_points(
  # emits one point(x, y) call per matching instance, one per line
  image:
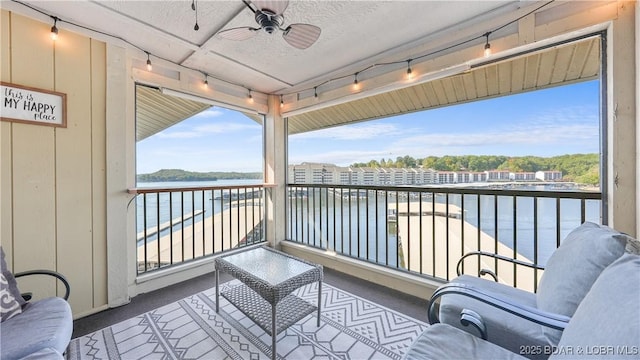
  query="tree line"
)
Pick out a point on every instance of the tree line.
point(183, 175)
point(580, 168)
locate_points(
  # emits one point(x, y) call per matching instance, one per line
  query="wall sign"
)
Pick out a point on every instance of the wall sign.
point(33, 106)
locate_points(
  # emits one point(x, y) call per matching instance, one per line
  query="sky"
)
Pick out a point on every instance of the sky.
point(549, 122)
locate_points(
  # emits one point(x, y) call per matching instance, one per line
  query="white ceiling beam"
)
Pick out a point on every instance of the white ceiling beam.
point(468, 29)
point(147, 27)
point(338, 97)
point(206, 46)
point(209, 45)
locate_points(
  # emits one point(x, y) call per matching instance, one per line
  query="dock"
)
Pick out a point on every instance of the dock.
point(229, 228)
point(415, 239)
point(175, 221)
point(415, 208)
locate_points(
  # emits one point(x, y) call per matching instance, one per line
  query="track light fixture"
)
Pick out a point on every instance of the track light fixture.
point(487, 46)
point(250, 96)
point(409, 71)
point(281, 101)
point(54, 29)
point(149, 67)
point(315, 92)
point(356, 86)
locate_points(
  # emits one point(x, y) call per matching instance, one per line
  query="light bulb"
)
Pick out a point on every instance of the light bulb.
point(487, 50)
point(487, 46)
point(54, 30)
point(356, 85)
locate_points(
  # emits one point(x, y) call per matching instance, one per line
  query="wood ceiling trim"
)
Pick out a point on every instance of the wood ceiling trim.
point(564, 64)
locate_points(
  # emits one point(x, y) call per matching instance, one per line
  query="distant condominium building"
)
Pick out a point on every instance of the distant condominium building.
point(523, 176)
point(322, 173)
point(498, 175)
point(549, 175)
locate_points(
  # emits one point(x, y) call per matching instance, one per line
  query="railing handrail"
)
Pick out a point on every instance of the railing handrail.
point(491, 219)
point(180, 224)
point(152, 190)
point(588, 195)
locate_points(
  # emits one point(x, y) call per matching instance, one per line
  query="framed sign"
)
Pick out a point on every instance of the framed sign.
point(32, 106)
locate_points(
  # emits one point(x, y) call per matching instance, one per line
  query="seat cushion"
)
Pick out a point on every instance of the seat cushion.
point(43, 324)
point(44, 354)
point(606, 324)
point(504, 329)
point(575, 266)
point(442, 341)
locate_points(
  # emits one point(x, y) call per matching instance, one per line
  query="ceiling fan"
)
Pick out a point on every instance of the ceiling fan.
point(268, 14)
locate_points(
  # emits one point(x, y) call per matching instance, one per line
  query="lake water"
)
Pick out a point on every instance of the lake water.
point(312, 222)
point(351, 230)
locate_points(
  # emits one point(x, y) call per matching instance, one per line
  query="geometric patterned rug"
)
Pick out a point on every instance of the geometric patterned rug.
point(350, 328)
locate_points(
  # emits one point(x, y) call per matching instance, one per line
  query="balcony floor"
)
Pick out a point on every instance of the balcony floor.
point(403, 303)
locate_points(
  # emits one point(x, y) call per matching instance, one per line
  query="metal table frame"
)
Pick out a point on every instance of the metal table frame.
point(269, 277)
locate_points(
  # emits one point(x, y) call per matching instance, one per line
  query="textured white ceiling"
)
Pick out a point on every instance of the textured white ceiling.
point(353, 33)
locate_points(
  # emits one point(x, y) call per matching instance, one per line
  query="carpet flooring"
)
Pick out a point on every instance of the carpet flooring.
point(351, 328)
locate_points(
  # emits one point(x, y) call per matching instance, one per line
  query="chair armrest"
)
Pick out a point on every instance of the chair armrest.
point(547, 319)
point(480, 254)
point(470, 317)
point(57, 275)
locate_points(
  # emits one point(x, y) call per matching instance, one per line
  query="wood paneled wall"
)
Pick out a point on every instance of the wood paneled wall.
point(53, 180)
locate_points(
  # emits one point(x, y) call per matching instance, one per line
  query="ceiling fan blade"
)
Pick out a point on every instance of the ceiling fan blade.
point(301, 36)
point(239, 33)
point(277, 6)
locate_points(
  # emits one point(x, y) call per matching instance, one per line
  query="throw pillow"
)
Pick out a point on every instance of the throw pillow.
point(9, 306)
point(633, 246)
point(11, 281)
point(574, 267)
point(606, 325)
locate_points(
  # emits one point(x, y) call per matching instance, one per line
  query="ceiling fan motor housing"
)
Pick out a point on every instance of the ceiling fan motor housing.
point(269, 21)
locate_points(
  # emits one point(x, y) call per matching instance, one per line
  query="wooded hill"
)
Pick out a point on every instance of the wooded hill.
point(581, 168)
point(183, 175)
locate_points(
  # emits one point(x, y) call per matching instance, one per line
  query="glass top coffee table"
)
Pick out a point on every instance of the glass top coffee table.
point(268, 279)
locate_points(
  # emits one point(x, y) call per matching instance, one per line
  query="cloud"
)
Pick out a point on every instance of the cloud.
point(549, 133)
point(541, 135)
point(348, 133)
point(208, 129)
point(178, 135)
point(209, 113)
point(200, 159)
point(228, 127)
point(585, 114)
point(339, 157)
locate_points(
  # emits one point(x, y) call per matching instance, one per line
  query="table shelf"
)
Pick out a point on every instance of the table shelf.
point(269, 278)
point(289, 310)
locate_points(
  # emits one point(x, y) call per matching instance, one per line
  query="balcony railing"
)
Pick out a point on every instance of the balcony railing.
point(426, 230)
point(177, 225)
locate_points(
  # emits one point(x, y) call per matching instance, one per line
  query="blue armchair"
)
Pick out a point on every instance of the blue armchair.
point(602, 327)
point(33, 329)
point(512, 318)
